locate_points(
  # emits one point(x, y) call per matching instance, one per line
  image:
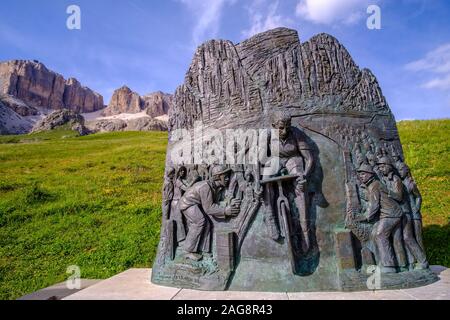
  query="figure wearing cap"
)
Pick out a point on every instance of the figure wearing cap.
point(384, 209)
point(201, 201)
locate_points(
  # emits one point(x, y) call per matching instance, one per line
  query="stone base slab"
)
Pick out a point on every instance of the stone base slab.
point(135, 284)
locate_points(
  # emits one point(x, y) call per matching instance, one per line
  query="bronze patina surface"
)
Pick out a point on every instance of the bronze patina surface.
point(339, 209)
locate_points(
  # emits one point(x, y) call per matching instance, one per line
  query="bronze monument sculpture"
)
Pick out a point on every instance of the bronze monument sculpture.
point(285, 172)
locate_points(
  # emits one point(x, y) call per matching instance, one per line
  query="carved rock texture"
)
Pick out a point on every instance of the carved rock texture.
point(124, 100)
point(270, 70)
point(36, 86)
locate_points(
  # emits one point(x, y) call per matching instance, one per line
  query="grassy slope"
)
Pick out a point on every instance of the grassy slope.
point(95, 202)
point(88, 201)
point(427, 150)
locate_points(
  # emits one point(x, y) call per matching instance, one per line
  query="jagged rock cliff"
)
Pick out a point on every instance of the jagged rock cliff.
point(38, 87)
point(59, 118)
point(124, 100)
point(18, 106)
point(137, 124)
point(29, 91)
point(157, 104)
point(11, 122)
point(273, 69)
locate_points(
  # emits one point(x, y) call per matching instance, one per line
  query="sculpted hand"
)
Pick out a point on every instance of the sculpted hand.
point(360, 219)
point(301, 186)
point(232, 211)
point(235, 203)
point(258, 195)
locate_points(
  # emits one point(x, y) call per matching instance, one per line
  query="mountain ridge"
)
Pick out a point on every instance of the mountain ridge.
point(31, 93)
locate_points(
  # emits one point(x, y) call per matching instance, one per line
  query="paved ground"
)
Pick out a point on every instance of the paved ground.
point(58, 291)
point(134, 284)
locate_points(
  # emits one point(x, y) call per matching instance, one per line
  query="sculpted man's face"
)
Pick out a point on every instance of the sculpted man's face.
point(359, 157)
point(403, 171)
point(364, 177)
point(283, 128)
point(224, 180)
point(385, 169)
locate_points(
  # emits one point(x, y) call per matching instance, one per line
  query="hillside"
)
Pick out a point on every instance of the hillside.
point(57, 188)
point(94, 201)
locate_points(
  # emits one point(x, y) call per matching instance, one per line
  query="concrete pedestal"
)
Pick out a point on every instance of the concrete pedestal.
point(134, 284)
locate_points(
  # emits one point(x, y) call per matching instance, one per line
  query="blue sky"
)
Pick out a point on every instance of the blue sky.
point(148, 44)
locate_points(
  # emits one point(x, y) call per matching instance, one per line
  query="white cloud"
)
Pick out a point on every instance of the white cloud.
point(437, 61)
point(207, 15)
point(437, 64)
point(333, 11)
point(264, 17)
point(442, 83)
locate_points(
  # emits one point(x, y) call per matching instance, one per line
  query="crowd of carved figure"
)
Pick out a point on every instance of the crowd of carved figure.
point(196, 196)
point(385, 217)
point(387, 220)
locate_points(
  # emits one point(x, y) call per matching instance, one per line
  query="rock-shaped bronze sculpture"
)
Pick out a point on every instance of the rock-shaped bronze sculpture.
point(285, 173)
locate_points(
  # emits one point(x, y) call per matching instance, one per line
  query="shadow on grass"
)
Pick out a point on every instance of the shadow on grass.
point(437, 244)
point(35, 194)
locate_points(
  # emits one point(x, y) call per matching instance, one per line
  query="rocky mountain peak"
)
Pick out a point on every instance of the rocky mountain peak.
point(38, 87)
point(72, 81)
point(124, 88)
point(158, 103)
point(125, 100)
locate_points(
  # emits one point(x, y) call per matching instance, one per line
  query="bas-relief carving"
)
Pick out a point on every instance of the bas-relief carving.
point(321, 228)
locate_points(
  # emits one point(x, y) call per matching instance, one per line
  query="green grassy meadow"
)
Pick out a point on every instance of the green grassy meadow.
point(89, 201)
point(426, 146)
point(94, 201)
